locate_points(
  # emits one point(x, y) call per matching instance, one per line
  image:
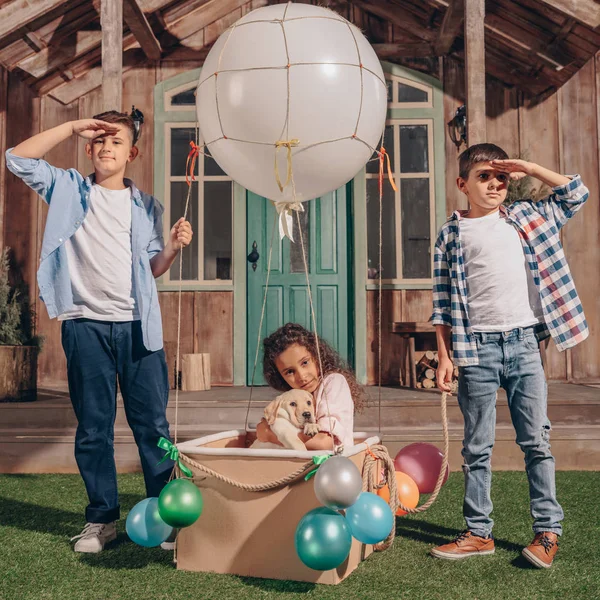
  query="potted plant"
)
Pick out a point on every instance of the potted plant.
point(19, 346)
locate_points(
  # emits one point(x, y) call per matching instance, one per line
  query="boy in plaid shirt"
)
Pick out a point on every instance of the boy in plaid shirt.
point(502, 284)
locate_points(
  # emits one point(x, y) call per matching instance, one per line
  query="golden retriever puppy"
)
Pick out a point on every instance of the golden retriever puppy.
point(289, 413)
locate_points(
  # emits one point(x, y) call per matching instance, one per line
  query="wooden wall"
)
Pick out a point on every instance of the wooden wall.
point(560, 132)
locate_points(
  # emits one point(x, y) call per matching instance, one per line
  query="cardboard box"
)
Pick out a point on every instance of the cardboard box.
point(252, 533)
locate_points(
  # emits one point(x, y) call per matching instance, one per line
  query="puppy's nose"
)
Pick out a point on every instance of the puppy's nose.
point(307, 415)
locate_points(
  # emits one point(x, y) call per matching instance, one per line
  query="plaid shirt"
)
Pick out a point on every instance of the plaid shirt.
point(538, 225)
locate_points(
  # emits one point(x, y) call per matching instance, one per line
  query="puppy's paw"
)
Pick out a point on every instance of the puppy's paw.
point(311, 429)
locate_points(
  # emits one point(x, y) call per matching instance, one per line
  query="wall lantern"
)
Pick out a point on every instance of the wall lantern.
point(457, 127)
point(138, 118)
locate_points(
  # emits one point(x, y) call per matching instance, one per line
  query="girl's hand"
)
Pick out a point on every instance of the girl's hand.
point(443, 374)
point(514, 167)
point(181, 234)
point(90, 129)
point(264, 433)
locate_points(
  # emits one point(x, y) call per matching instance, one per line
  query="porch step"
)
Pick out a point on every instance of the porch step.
point(43, 450)
point(37, 437)
point(406, 410)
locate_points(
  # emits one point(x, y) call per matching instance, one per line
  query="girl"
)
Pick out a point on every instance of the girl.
point(291, 361)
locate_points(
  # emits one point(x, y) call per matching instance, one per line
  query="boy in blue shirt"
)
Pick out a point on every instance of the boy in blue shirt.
point(502, 284)
point(102, 248)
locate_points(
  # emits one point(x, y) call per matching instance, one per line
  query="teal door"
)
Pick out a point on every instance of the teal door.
point(325, 225)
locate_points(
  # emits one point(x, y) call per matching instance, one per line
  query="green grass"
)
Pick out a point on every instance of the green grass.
point(39, 513)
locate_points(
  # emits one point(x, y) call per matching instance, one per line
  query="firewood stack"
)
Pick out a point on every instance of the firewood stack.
point(426, 371)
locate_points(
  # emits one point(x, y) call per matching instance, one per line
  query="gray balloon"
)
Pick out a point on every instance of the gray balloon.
point(338, 483)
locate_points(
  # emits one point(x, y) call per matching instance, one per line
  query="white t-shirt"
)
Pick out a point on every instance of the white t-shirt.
point(336, 403)
point(100, 264)
point(501, 293)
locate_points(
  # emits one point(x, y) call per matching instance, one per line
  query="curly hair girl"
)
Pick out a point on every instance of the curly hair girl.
point(291, 334)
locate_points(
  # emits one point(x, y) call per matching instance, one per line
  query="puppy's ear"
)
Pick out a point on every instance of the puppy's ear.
point(272, 408)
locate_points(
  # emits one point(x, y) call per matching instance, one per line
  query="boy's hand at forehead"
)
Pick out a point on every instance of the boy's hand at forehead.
point(90, 129)
point(181, 234)
point(514, 167)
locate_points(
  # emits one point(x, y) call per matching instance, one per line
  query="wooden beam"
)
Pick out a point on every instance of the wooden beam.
point(92, 79)
point(587, 12)
point(80, 66)
point(18, 13)
point(531, 50)
point(139, 26)
point(396, 16)
point(111, 19)
point(475, 71)
point(55, 31)
point(413, 50)
point(182, 23)
point(452, 27)
point(38, 65)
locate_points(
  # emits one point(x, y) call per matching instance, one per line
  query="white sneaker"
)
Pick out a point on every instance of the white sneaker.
point(169, 543)
point(94, 537)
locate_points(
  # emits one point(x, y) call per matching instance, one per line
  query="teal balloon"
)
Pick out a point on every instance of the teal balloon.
point(370, 518)
point(323, 539)
point(180, 503)
point(144, 525)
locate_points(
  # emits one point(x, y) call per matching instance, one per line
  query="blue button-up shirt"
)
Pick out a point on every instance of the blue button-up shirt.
point(67, 194)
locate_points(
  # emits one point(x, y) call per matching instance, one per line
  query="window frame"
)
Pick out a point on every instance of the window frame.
point(201, 179)
point(167, 117)
point(394, 103)
point(398, 176)
point(404, 111)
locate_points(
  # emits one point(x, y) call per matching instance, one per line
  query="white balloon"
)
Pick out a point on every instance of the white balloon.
point(337, 100)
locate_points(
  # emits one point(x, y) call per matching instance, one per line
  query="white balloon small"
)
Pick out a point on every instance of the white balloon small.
point(291, 79)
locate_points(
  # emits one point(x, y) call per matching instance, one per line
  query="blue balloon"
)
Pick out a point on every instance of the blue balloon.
point(323, 539)
point(370, 518)
point(144, 525)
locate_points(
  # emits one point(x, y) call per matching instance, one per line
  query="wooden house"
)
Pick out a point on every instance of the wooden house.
point(527, 70)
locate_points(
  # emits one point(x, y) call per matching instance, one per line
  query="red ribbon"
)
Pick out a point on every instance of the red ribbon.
point(190, 165)
point(382, 156)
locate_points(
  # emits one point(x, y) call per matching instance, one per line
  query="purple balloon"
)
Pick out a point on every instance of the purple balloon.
point(422, 463)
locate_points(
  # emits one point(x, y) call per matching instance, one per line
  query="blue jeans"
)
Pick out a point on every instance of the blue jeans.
point(98, 354)
point(510, 360)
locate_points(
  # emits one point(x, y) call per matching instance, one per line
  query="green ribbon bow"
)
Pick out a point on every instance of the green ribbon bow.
point(318, 460)
point(173, 453)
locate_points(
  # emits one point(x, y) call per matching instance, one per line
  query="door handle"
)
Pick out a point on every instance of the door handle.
point(253, 256)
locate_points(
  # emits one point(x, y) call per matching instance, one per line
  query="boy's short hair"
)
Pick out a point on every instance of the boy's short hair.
point(476, 154)
point(119, 118)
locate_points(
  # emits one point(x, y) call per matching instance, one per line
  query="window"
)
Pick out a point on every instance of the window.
point(408, 214)
point(208, 259)
point(403, 93)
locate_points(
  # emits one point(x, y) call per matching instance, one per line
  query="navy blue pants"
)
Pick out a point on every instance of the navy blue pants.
point(98, 354)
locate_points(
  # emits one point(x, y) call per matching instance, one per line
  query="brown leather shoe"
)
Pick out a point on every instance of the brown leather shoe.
point(542, 550)
point(464, 545)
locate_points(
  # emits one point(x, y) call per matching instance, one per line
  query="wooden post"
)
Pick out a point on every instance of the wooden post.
point(475, 70)
point(111, 19)
point(195, 372)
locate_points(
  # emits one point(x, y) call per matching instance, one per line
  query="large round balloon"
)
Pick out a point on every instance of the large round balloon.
point(180, 503)
point(323, 539)
point(422, 463)
point(337, 100)
point(338, 483)
point(370, 518)
point(408, 492)
point(144, 525)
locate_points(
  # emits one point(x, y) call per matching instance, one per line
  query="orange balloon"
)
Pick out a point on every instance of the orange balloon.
point(408, 492)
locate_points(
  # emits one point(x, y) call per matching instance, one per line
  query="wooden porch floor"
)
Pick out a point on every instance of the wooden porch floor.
point(38, 436)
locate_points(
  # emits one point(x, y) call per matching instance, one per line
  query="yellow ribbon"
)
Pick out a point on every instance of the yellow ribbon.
point(288, 144)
